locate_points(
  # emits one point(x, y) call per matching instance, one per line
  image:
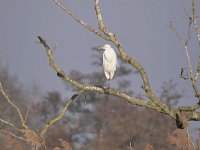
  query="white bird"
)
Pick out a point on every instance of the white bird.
point(109, 61)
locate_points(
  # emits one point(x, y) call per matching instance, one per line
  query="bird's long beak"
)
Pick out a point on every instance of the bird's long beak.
point(100, 48)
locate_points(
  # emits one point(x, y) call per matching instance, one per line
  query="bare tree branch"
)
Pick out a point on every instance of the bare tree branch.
point(13, 105)
point(75, 17)
point(61, 115)
point(102, 26)
point(184, 43)
point(12, 134)
point(193, 78)
point(197, 28)
point(10, 124)
point(27, 113)
point(189, 108)
point(91, 88)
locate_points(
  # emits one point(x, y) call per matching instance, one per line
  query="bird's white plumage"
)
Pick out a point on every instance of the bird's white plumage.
point(109, 61)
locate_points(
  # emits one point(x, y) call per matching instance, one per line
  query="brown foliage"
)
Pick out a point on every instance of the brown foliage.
point(33, 139)
point(180, 139)
point(184, 120)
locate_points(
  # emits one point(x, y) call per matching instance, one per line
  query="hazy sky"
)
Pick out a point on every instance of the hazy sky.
point(139, 24)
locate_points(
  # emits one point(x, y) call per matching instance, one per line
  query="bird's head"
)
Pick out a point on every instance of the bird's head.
point(106, 46)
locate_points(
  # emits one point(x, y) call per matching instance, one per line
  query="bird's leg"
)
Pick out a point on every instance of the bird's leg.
point(108, 83)
point(107, 87)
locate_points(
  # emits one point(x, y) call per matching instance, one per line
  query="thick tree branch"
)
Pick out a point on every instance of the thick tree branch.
point(192, 115)
point(97, 89)
point(102, 26)
point(189, 108)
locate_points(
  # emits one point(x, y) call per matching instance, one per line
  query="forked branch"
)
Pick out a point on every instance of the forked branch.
point(75, 17)
point(91, 88)
point(154, 103)
point(113, 38)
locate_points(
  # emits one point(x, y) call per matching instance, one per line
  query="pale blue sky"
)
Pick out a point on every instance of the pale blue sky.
point(139, 24)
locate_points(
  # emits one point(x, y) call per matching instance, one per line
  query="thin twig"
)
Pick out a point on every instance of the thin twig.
point(13, 105)
point(198, 69)
point(61, 115)
point(10, 124)
point(188, 58)
point(191, 144)
point(26, 117)
point(197, 28)
point(13, 135)
point(184, 43)
point(75, 17)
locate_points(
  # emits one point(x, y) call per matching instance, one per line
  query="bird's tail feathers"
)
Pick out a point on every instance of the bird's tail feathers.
point(117, 65)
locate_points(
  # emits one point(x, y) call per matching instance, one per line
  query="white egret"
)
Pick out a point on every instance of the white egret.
point(109, 61)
